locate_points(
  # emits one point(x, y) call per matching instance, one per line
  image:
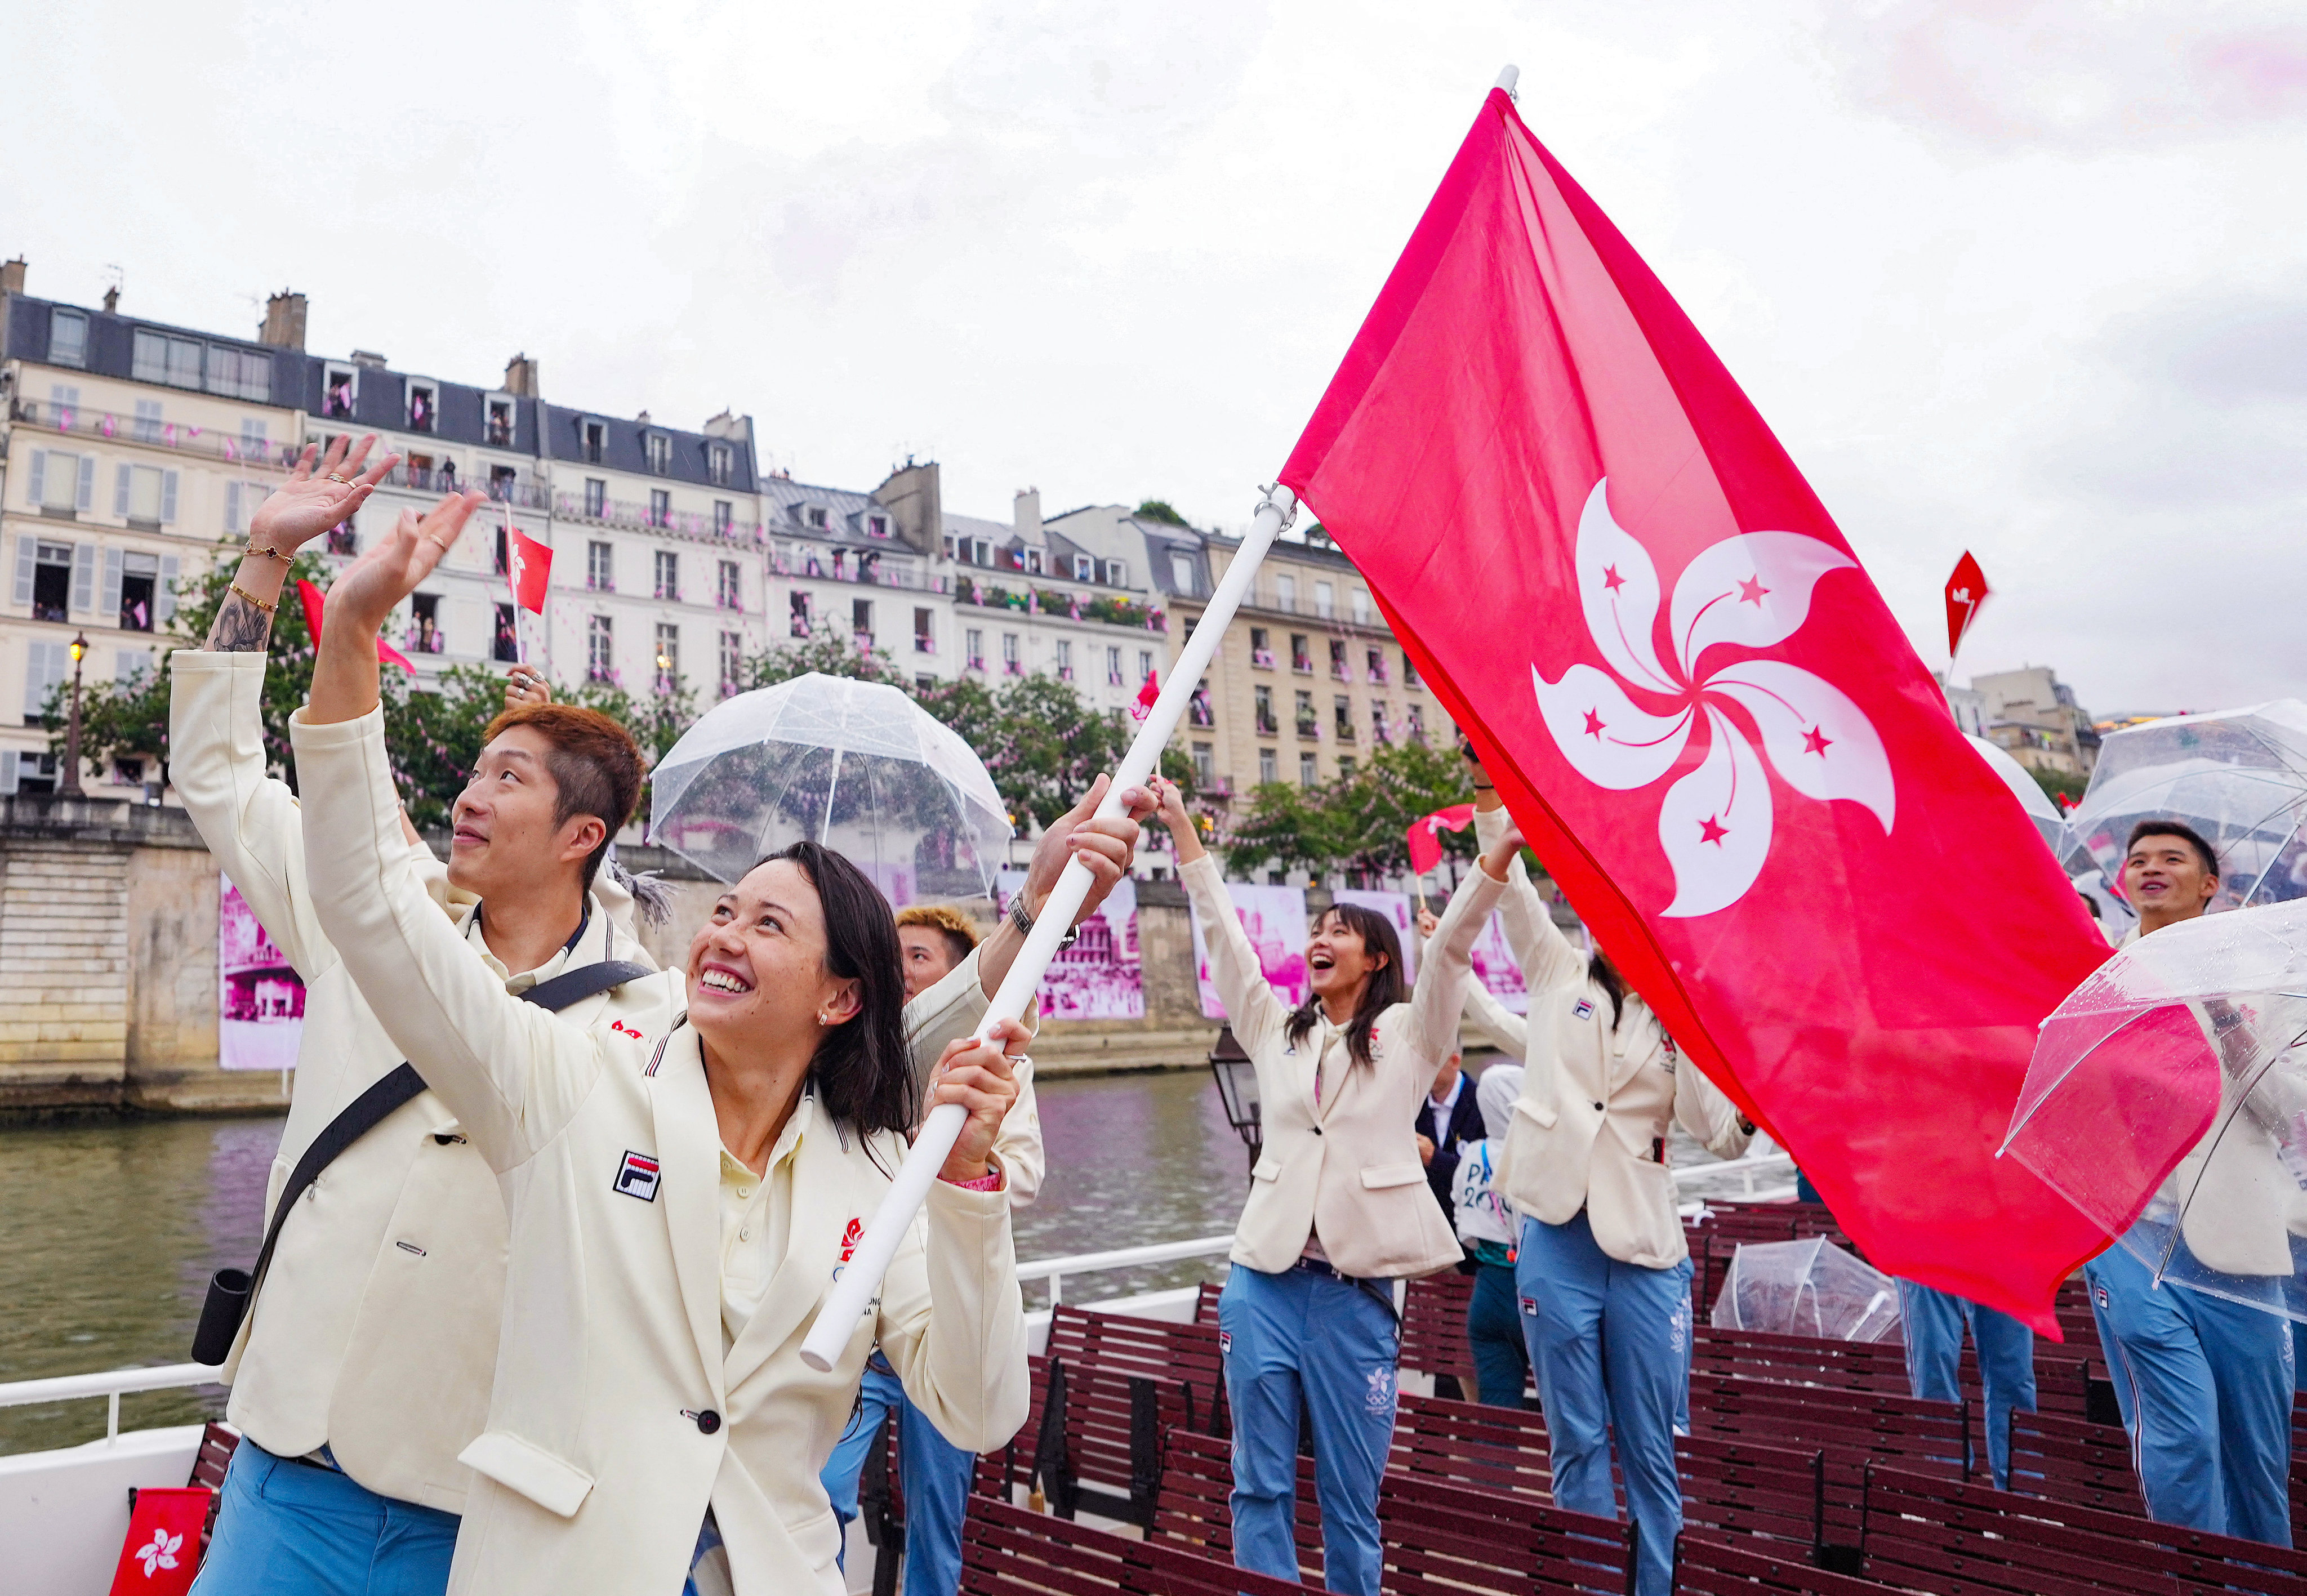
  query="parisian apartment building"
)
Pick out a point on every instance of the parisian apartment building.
point(133, 453)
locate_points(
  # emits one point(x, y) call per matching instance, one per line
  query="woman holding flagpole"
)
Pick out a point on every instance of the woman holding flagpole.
point(1338, 1210)
point(1602, 1271)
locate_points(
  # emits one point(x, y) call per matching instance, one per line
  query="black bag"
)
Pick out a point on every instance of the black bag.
point(230, 1290)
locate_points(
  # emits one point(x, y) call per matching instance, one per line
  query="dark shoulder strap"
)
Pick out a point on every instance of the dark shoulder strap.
point(574, 986)
point(357, 1118)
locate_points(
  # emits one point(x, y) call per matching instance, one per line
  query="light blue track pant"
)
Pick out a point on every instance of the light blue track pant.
point(1332, 1346)
point(1609, 1345)
point(933, 1473)
point(2205, 1388)
point(1934, 1322)
point(295, 1529)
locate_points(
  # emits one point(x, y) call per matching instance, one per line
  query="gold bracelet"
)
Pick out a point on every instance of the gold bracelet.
point(260, 604)
point(253, 553)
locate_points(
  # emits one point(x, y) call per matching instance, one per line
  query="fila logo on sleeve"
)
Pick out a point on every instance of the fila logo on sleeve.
point(1583, 1008)
point(637, 1176)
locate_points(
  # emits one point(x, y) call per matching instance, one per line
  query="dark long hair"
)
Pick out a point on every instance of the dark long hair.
point(859, 1070)
point(1605, 975)
point(1381, 992)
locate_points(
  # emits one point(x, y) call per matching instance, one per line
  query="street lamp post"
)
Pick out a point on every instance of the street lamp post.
point(68, 780)
point(1237, 1079)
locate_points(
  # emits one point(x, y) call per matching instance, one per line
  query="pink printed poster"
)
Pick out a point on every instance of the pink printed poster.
point(1274, 917)
point(1099, 977)
point(260, 998)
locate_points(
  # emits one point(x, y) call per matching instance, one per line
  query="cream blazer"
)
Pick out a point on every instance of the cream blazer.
point(617, 1418)
point(375, 1327)
point(1345, 1169)
point(1596, 1101)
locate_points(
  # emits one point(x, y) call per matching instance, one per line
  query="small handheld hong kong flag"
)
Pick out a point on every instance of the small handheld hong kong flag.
point(1147, 694)
point(528, 567)
point(310, 596)
point(163, 1549)
point(1425, 845)
point(1966, 590)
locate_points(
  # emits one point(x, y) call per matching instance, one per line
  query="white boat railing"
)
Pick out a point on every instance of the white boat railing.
point(113, 1383)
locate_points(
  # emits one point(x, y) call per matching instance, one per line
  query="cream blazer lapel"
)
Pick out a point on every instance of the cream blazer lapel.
point(1320, 1085)
point(822, 1188)
point(689, 1155)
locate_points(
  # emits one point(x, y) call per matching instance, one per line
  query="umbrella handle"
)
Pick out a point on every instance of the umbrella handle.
point(856, 1290)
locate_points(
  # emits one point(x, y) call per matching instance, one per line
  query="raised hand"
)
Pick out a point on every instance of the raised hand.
point(314, 500)
point(393, 566)
point(526, 685)
point(981, 1077)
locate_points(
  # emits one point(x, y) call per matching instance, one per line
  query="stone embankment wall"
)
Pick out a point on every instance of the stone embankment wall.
point(108, 982)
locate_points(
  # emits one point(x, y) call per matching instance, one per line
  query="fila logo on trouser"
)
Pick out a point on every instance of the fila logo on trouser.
point(637, 1176)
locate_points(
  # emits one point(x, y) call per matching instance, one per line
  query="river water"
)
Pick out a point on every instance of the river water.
point(113, 1227)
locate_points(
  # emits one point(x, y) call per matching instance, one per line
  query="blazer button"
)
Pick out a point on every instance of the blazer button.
point(707, 1423)
point(1599, 1109)
point(1317, 1130)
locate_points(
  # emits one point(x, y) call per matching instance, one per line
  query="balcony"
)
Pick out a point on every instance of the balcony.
point(677, 523)
point(863, 574)
point(86, 422)
point(1199, 713)
point(1309, 728)
point(1263, 658)
point(1267, 726)
point(1303, 664)
point(1345, 731)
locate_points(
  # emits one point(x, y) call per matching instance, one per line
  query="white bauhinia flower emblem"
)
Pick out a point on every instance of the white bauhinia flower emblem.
point(1751, 591)
point(159, 1552)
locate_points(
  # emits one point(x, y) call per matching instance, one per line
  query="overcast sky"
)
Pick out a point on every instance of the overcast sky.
point(2027, 279)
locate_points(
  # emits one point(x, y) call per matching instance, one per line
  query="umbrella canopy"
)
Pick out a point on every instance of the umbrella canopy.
point(1809, 1287)
point(2049, 823)
point(2167, 1101)
point(857, 766)
point(2237, 775)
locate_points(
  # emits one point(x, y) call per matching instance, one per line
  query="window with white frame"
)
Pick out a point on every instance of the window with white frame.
point(804, 619)
point(876, 526)
point(1083, 567)
point(157, 357)
point(241, 500)
point(925, 631)
point(1205, 765)
point(1013, 661)
point(1361, 606)
point(658, 447)
point(44, 577)
point(716, 464)
point(500, 427)
point(132, 588)
point(1269, 766)
point(861, 621)
point(732, 662)
point(1325, 600)
point(1065, 652)
point(144, 495)
point(1113, 667)
point(1144, 664)
point(61, 484)
point(146, 429)
point(660, 507)
point(593, 436)
point(1181, 571)
point(1034, 561)
point(1116, 573)
point(600, 649)
point(600, 567)
point(725, 517)
point(240, 374)
point(816, 516)
point(1285, 592)
point(67, 337)
point(337, 386)
point(730, 593)
point(423, 408)
point(254, 443)
point(668, 574)
point(974, 648)
point(668, 657)
point(597, 498)
point(46, 667)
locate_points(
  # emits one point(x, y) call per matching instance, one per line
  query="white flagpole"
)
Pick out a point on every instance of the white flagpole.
point(513, 553)
point(861, 1278)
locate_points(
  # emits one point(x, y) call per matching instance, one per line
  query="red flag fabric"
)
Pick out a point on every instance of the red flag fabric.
point(1966, 590)
point(1425, 846)
point(1702, 715)
point(310, 597)
point(529, 566)
point(163, 1549)
point(1147, 694)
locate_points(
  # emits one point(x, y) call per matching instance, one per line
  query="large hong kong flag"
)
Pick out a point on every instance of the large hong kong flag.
point(1703, 716)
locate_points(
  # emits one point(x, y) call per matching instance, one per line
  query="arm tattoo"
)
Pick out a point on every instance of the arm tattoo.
point(240, 627)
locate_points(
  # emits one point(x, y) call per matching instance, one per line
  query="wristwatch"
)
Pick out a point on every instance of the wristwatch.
point(1022, 919)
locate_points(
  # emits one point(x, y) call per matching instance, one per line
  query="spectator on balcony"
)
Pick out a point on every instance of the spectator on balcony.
point(447, 477)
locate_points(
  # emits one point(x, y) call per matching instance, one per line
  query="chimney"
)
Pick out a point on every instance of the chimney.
point(737, 429)
point(520, 376)
point(1027, 514)
point(112, 300)
point(11, 276)
point(284, 320)
point(369, 360)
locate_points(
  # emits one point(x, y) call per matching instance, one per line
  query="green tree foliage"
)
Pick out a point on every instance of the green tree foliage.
point(1158, 510)
point(1356, 822)
point(2059, 785)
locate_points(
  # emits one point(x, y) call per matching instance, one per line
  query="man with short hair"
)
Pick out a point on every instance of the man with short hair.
point(2204, 1384)
point(933, 1473)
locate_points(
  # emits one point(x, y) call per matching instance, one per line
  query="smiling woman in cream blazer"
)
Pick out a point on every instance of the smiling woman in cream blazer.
point(677, 1211)
point(1339, 1208)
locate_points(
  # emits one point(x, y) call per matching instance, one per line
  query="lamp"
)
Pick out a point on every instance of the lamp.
point(1237, 1079)
point(68, 781)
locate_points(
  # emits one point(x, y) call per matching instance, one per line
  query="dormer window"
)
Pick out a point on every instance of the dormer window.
point(1033, 561)
point(817, 516)
point(67, 337)
point(338, 387)
point(876, 526)
point(1082, 565)
point(1116, 573)
point(660, 449)
point(595, 438)
point(500, 423)
point(423, 408)
point(717, 462)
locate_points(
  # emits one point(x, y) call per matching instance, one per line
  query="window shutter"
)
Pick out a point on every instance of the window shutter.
point(120, 492)
point(38, 480)
point(167, 496)
point(232, 507)
point(27, 548)
point(87, 496)
point(166, 607)
point(37, 677)
point(84, 595)
point(8, 773)
point(108, 607)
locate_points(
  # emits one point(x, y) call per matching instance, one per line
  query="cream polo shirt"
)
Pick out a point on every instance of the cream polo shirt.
point(756, 1219)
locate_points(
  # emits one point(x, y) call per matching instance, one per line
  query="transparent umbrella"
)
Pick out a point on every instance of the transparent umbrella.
point(2237, 775)
point(1809, 1287)
point(2167, 1101)
point(854, 765)
point(2049, 824)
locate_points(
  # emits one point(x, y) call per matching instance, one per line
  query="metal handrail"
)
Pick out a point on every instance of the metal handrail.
point(112, 1384)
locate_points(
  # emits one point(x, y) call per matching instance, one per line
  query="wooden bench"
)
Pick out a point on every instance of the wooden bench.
point(1114, 1387)
point(1434, 1333)
point(1705, 1566)
point(1012, 1551)
point(2073, 1462)
point(1941, 1536)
